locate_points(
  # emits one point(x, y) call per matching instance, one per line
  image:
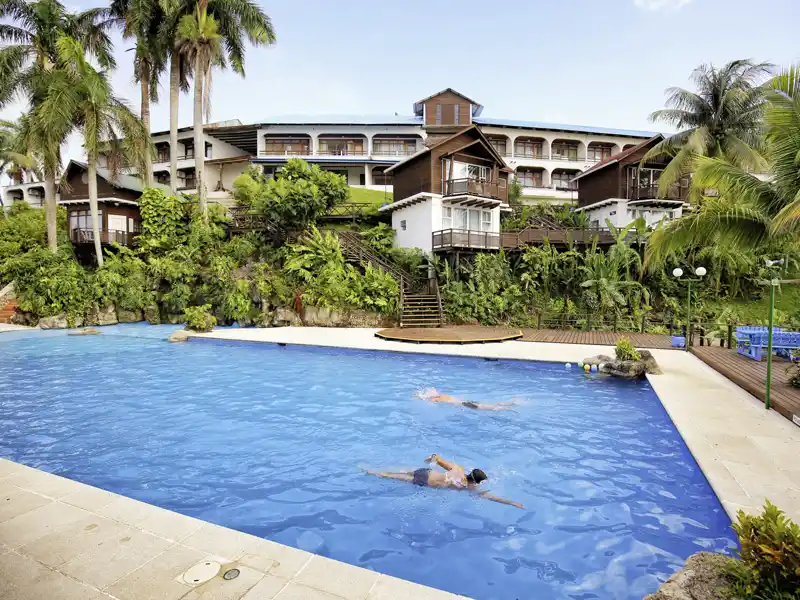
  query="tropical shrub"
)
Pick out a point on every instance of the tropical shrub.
point(626, 351)
point(381, 237)
point(122, 281)
point(23, 228)
point(199, 318)
point(770, 556)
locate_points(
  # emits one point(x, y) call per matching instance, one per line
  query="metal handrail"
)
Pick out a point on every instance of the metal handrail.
point(465, 238)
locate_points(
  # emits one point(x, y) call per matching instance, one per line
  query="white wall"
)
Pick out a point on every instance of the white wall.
point(620, 214)
point(653, 216)
point(419, 224)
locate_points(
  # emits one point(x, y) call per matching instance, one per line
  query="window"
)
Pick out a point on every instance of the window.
point(486, 222)
point(438, 114)
point(82, 219)
point(208, 150)
point(403, 224)
point(478, 172)
point(447, 217)
point(565, 151)
point(457, 109)
point(393, 147)
point(528, 149)
point(562, 179)
point(598, 153)
point(278, 147)
point(530, 178)
point(341, 146)
point(460, 218)
point(499, 144)
point(189, 150)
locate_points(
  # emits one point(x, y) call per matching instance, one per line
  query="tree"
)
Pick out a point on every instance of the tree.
point(747, 212)
point(81, 97)
point(722, 118)
point(15, 160)
point(141, 20)
point(28, 54)
point(237, 22)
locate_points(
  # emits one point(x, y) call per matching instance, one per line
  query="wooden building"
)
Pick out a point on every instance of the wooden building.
point(620, 189)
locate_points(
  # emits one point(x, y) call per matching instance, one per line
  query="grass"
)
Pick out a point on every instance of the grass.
point(787, 306)
point(373, 197)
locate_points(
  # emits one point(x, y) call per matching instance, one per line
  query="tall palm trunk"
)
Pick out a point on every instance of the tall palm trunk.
point(148, 161)
point(50, 209)
point(199, 142)
point(92, 167)
point(174, 96)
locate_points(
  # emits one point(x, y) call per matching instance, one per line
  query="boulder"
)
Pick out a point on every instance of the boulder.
point(179, 336)
point(701, 578)
point(129, 316)
point(322, 316)
point(265, 318)
point(152, 314)
point(106, 315)
point(284, 317)
point(363, 318)
point(87, 331)
point(174, 319)
point(630, 369)
point(55, 322)
point(650, 364)
point(23, 318)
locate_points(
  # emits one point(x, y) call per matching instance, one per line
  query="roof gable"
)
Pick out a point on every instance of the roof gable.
point(620, 156)
point(477, 108)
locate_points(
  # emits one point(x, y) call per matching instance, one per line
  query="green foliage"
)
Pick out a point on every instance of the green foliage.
point(199, 318)
point(514, 192)
point(626, 351)
point(123, 281)
point(381, 237)
point(162, 221)
point(770, 555)
point(24, 229)
point(296, 197)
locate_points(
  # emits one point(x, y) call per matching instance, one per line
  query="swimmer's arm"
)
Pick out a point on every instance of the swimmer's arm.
point(494, 498)
point(445, 464)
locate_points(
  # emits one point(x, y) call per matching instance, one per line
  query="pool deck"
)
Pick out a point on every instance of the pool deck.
point(62, 539)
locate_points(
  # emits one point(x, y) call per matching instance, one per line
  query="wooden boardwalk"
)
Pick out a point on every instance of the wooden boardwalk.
point(457, 334)
point(751, 376)
point(599, 338)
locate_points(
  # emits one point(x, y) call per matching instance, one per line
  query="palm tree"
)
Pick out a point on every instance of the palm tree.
point(15, 161)
point(142, 21)
point(747, 212)
point(28, 53)
point(238, 21)
point(80, 97)
point(722, 118)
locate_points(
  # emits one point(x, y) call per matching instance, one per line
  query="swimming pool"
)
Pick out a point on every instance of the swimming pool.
point(271, 440)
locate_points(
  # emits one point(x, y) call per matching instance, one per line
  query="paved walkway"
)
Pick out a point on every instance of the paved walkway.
point(63, 540)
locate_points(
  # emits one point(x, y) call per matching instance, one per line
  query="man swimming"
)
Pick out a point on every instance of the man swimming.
point(431, 395)
point(455, 477)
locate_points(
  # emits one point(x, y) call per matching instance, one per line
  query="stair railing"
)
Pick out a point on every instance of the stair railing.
point(438, 300)
point(402, 299)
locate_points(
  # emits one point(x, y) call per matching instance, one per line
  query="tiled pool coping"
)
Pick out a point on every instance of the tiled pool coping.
point(62, 539)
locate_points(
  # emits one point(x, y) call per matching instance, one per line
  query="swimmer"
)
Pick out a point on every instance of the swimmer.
point(455, 477)
point(431, 395)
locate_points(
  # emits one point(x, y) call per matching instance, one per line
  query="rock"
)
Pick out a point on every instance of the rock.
point(598, 360)
point(102, 316)
point(152, 314)
point(23, 318)
point(55, 322)
point(363, 318)
point(266, 318)
point(179, 336)
point(129, 316)
point(174, 319)
point(322, 316)
point(87, 331)
point(650, 364)
point(701, 578)
point(286, 317)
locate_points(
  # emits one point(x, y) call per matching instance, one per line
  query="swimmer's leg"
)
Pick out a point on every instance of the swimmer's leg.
point(403, 476)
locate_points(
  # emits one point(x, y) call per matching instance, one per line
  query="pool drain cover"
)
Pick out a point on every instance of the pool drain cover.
point(231, 574)
point(201, 572)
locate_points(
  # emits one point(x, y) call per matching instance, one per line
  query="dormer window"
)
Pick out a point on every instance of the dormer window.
point(438, 114)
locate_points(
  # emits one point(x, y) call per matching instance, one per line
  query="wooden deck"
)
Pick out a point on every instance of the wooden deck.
point(751, 376)
point(600, 338)
point(460, 334)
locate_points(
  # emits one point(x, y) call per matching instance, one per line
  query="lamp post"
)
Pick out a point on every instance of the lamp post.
point(678, 273)
point(773, 283)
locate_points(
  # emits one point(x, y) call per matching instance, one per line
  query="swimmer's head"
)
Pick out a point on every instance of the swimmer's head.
point(476, 476)
point(427, 393)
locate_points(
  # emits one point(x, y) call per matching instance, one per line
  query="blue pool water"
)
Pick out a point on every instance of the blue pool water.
point(271, 440)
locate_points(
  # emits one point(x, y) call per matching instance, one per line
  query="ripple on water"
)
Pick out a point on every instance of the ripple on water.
point(272, 441)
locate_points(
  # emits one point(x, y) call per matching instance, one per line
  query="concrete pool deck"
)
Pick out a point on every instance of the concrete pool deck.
point(62, 539)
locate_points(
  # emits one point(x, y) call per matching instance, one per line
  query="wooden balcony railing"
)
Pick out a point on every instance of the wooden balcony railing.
point(357, 151)
point(388, 152)
point(465, 238)
point(475, 187)
point(302, 151)
point(650, 192)
point(560, 235)
point(86, 236)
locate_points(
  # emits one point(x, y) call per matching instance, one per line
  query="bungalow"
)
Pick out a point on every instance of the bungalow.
point(620, 189)
point(448, 196)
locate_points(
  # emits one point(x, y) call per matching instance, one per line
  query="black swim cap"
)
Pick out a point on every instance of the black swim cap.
point(476, 476)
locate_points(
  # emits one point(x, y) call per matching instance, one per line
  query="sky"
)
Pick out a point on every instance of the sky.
point(583, 62)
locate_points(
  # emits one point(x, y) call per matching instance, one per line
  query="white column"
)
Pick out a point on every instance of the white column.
point(546, 180)
point(369, 145)
point(314, 144)
point(513, 141)
point(367, 174)
point(547, 149)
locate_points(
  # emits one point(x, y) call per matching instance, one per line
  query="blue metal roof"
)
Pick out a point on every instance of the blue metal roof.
point(562, 127)
point(343, 120)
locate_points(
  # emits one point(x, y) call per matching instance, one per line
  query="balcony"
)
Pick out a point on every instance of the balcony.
point(465, 238)
point(474, 187)
point(86, 236)
point(650, 192)
point(301, 151)
point(393, 152)
point(187, 184)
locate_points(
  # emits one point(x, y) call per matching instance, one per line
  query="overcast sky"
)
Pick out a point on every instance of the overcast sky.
point(585, 62)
